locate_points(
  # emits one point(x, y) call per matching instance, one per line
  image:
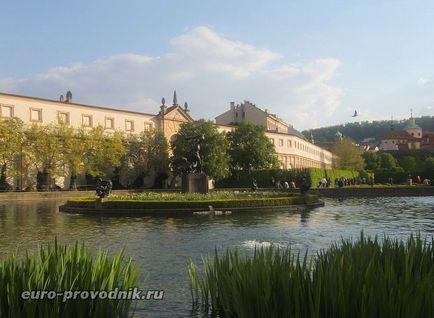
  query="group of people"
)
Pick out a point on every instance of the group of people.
point(342, 182)
point(282, 185)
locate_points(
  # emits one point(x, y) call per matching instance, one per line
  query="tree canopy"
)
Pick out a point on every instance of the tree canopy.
point(250, 148)
point(348, 156)
point(103, 152)
point(11, 141)
point(146, 154)
point(213, 152)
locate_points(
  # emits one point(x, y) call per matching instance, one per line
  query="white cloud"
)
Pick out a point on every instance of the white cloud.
point(207, 69)
point(422, 81)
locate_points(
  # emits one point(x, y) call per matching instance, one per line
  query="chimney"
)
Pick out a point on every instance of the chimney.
point(232, 105)
point(68, 97)
point(61, 99)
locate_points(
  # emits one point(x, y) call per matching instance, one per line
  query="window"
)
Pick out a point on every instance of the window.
point(272, 140)
point(109, 123)
point(129, 125)
point(35, 115)
point(281, 142)
point(289, 143)
point(148, 126)
point(86, 120)
point(63, 118)
point(6, 111)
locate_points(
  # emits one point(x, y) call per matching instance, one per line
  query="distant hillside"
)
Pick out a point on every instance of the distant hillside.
point(361, 130)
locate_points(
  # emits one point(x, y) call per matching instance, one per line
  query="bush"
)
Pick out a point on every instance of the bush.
point(365, 278)
point(62, 268)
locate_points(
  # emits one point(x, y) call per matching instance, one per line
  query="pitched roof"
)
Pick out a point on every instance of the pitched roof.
point(398, 134)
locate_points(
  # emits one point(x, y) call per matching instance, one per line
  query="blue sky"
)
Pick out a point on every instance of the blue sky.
point(310, 62)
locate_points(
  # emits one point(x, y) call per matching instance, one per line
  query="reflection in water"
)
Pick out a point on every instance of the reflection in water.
point(165, 245)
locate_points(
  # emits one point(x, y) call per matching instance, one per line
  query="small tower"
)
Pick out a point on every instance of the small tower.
point(186, 107)
point(311, 138)
point(61, 99)
point(412, 128)
point(175, 99)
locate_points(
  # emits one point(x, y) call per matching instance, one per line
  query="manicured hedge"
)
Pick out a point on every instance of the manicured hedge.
point(199, 204)
point(263, 177)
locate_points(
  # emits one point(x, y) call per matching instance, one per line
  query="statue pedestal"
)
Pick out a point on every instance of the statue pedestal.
point(195, 182)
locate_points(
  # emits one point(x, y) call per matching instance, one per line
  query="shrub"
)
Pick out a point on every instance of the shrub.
point(62, 268)
point(365, 278)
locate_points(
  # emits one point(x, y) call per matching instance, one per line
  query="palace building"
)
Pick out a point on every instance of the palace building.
point(410, 138)
point(293, 149)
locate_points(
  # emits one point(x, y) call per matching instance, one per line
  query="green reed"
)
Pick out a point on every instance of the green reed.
point(61, 268)
point(365, 278)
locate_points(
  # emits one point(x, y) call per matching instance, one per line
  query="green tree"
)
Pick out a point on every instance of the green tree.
point(146, 155)
point(347, 155)
point(11, 141)
point(372, 160)
point(74, 148)
point(428, 167)
point(103, 152)
point(45, 149)
point(409, 164)
point(250, 148)
point(213, 152)
point(388, 161)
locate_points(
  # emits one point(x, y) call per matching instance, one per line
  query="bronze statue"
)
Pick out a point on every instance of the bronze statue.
point(103, 187)
point(194, 162)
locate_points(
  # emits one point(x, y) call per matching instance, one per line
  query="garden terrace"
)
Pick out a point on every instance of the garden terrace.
point(171, 203)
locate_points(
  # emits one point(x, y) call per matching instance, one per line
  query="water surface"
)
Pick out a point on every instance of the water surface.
point(165, 245)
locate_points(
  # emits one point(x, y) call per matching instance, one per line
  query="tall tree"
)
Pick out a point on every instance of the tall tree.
point(250, 148)
point(11, 141)
point(74, 148)
point(388, 161)
point(409, 164)
point(214, 150)
point(45, 149)
point(372, 160)
point(103, 153)
point(146, 155)
point(347, 155)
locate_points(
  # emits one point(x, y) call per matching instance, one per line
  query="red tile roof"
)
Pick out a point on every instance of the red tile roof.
point(398, 134)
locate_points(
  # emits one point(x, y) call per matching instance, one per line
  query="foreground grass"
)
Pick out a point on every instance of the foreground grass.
point(61, 268)
point(366, 278)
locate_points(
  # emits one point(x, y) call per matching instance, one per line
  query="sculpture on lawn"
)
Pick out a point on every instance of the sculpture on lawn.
point(103, 187)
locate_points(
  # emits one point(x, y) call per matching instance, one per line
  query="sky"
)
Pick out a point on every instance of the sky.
point(310, 62)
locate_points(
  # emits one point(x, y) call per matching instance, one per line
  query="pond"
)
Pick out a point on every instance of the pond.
point(165, 245)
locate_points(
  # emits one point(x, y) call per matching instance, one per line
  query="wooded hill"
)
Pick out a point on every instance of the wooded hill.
point(358, 131)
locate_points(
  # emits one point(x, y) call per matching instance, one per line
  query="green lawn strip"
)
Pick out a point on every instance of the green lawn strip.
point(175, 204)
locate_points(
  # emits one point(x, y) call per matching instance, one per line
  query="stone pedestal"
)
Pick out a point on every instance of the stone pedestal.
point(99, 202)
point(195, 182)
